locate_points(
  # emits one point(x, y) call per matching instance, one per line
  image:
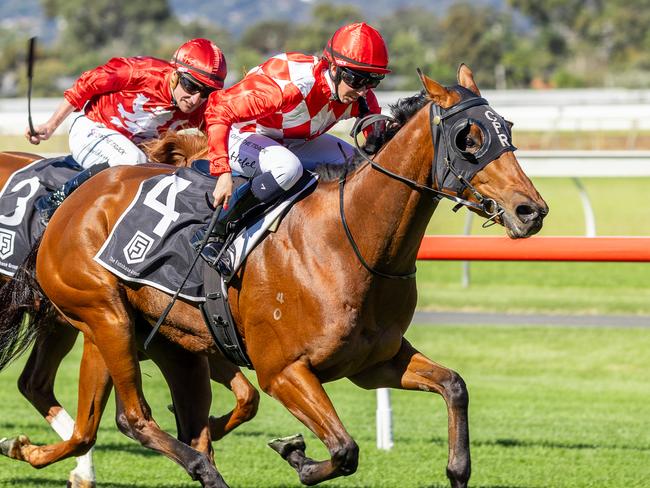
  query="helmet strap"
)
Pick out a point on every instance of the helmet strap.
point(336, 79)
point(173, 83)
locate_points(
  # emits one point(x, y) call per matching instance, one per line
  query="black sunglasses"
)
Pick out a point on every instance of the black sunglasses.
point(357, 79)
point(192, 87)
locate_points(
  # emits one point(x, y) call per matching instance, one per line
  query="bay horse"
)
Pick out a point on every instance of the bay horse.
point(36, 382)
point(322, 298)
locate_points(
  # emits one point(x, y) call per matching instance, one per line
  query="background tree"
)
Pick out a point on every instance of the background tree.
point(512, 43)
point(591, 42)
point(311, 38)
point(414, 39)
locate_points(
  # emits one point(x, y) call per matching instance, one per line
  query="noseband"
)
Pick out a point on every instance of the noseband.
point(452, 168)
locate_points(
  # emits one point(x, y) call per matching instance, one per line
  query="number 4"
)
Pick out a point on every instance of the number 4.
point(169, 215)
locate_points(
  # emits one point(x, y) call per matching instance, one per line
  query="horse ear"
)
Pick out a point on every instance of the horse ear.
point(438, 93)
point(466, 78)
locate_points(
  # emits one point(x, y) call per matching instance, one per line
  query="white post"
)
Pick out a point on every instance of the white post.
point(384, 420)
point(464, 280)
point(590, 217)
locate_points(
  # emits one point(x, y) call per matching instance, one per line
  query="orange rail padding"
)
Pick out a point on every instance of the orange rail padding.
point(493, 248)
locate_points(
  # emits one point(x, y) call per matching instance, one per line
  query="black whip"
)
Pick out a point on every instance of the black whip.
point(30, 72)
point(213, 222)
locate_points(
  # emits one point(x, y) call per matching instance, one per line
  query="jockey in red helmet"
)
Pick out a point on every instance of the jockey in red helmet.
point(358, 55)
point(128, 101)
point(202, 61)
point(274, 122)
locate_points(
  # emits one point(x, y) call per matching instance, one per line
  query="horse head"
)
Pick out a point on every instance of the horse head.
point(474, 160)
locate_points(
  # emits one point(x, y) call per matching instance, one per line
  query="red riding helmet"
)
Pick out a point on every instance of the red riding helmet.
point(203, 60)
point(358, 46)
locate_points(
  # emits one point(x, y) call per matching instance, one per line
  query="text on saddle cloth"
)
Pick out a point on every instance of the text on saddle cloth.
point(150, 243)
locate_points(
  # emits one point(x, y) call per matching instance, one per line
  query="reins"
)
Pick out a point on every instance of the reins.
point(438, 137)
point(348, 233)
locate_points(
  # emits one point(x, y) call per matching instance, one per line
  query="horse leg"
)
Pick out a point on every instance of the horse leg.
point(36, 383)
point(113, 334)
point(246, 395)
point(411, 370)
point(300, 391)
point(187, 376)
point(94, 389)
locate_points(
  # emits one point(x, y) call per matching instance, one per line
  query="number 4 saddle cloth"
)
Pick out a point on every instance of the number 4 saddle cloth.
point(150, 244)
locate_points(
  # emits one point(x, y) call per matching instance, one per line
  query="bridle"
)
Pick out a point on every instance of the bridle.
point(449, 163)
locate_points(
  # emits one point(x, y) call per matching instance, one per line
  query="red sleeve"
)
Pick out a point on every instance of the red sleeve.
point(373, 108)
point(373, 104)
point(254, 97)
point(110, 77)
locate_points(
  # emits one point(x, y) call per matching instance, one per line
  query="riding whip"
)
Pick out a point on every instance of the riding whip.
point(30, 72)
point(213, 222)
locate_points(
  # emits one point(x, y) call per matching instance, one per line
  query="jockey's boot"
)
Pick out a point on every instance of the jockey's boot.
point(241, 201)
point(260, 190)
point(47, 204)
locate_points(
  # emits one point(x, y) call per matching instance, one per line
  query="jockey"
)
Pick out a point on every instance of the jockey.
point(271, 124)
point(128, 101)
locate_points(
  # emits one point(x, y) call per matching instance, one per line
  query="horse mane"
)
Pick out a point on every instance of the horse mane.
point(404, 109)
point(177, 148)
point(401, 111)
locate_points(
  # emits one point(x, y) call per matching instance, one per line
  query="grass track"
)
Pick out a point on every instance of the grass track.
point(550, 407)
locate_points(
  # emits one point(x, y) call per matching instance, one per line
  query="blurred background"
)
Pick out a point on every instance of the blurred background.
point(512, 43)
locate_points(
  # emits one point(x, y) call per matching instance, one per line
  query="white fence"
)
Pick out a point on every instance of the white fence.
point(544, 110)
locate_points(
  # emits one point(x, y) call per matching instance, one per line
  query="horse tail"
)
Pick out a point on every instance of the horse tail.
point(24, 310)
point(177, 149)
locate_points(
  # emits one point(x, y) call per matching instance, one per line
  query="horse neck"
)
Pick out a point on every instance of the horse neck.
point(393, 215)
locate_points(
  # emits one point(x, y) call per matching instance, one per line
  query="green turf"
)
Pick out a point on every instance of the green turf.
point(550, 407)
point(543, 286)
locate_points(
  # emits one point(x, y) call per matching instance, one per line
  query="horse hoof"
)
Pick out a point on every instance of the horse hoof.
point(11, 447)
point(77, 481)
point(286, 445)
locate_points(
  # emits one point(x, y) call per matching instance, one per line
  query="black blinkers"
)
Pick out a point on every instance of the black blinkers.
point(454, 165)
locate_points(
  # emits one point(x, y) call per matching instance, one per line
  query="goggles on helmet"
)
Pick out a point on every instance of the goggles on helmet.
point(191, 86)
point(359, 79)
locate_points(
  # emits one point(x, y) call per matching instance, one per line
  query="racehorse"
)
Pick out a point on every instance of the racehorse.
point(329, 295)
point(36, 381)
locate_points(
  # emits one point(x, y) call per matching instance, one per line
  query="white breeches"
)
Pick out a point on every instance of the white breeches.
point(252, 154)
point(92, 143)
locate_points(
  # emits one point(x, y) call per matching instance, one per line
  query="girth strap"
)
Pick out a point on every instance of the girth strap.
point(217, 315)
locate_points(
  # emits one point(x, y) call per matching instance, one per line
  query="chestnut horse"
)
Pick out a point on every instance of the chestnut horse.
point(322, 298)
point(36, 381)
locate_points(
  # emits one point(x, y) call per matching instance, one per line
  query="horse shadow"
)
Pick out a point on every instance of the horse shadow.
point(518, 443)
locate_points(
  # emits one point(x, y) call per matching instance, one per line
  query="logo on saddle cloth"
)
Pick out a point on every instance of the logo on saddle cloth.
point(150, 243)
point(137, 248)
point(7, 239)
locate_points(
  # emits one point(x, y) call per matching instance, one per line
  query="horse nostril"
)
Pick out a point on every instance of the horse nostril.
point(527, 213)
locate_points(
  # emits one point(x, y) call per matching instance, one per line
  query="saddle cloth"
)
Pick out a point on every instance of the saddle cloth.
point(150, 243)
point(20, 223)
